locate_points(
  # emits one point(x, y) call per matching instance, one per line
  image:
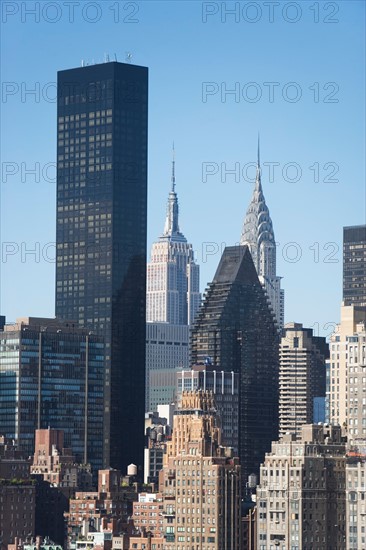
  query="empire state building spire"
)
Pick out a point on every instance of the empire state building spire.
point(171, 227)
point(173, 170)
point(258, 235)
point(173, 294)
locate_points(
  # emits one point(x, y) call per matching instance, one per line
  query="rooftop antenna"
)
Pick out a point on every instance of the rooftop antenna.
point(258, 175)
point(128, 57)
point(173, 170)
point(115, 57)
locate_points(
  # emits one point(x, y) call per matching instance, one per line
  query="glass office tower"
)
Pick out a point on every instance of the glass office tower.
point(354, 265)
point(51, 375)
point(101, 234)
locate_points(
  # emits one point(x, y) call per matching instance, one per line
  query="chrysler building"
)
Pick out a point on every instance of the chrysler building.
point(258, 235)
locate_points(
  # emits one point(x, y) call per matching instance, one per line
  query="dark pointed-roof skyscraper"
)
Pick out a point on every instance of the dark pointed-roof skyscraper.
point(258, 235)
point(235, 331)
point(101, 234)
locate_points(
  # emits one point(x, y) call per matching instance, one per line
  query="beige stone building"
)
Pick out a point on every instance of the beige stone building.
point(356, 499)
point(301, 501)
point(200, 481)
point(302, 376)
point(347, 385)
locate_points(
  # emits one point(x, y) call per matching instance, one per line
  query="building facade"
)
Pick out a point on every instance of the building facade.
point(51, 374)
point(354, 265)
point(258, 235)
point(200, 481)
point(107, 508)
point(301, 497)
point(17, 510)
point(356, 498)
point(101, 233)
point(147, 514)
point(347, 377)
point(225, 388)
point(236, 330)
point(167, 351)
point(13, 463)
point(302, 377)
point(157, 432)
point(57, 465)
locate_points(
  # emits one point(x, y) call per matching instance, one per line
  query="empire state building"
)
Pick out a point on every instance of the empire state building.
point(258, 235)
point(173, 294)
point(172, 301)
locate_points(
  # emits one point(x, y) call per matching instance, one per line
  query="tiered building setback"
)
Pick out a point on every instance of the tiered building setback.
point(200, 481)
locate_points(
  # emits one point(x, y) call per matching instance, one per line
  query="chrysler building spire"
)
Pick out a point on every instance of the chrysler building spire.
point(258, 235)
point(258, 184)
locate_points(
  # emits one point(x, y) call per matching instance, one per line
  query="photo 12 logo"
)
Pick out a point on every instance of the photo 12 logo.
point(270, 12)
point(292, 252)
point(270, 92)
point(289, 172)
point(23, 172)
point(70, 12)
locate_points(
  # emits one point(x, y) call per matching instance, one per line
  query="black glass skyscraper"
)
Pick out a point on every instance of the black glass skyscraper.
point(354, 265)
point(236, 332)
point(101, 234)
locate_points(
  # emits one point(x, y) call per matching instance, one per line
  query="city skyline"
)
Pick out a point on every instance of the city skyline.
point(290, 132)
point(158, 394)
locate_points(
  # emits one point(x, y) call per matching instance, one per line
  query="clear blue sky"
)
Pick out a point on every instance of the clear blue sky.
point(323, 60)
